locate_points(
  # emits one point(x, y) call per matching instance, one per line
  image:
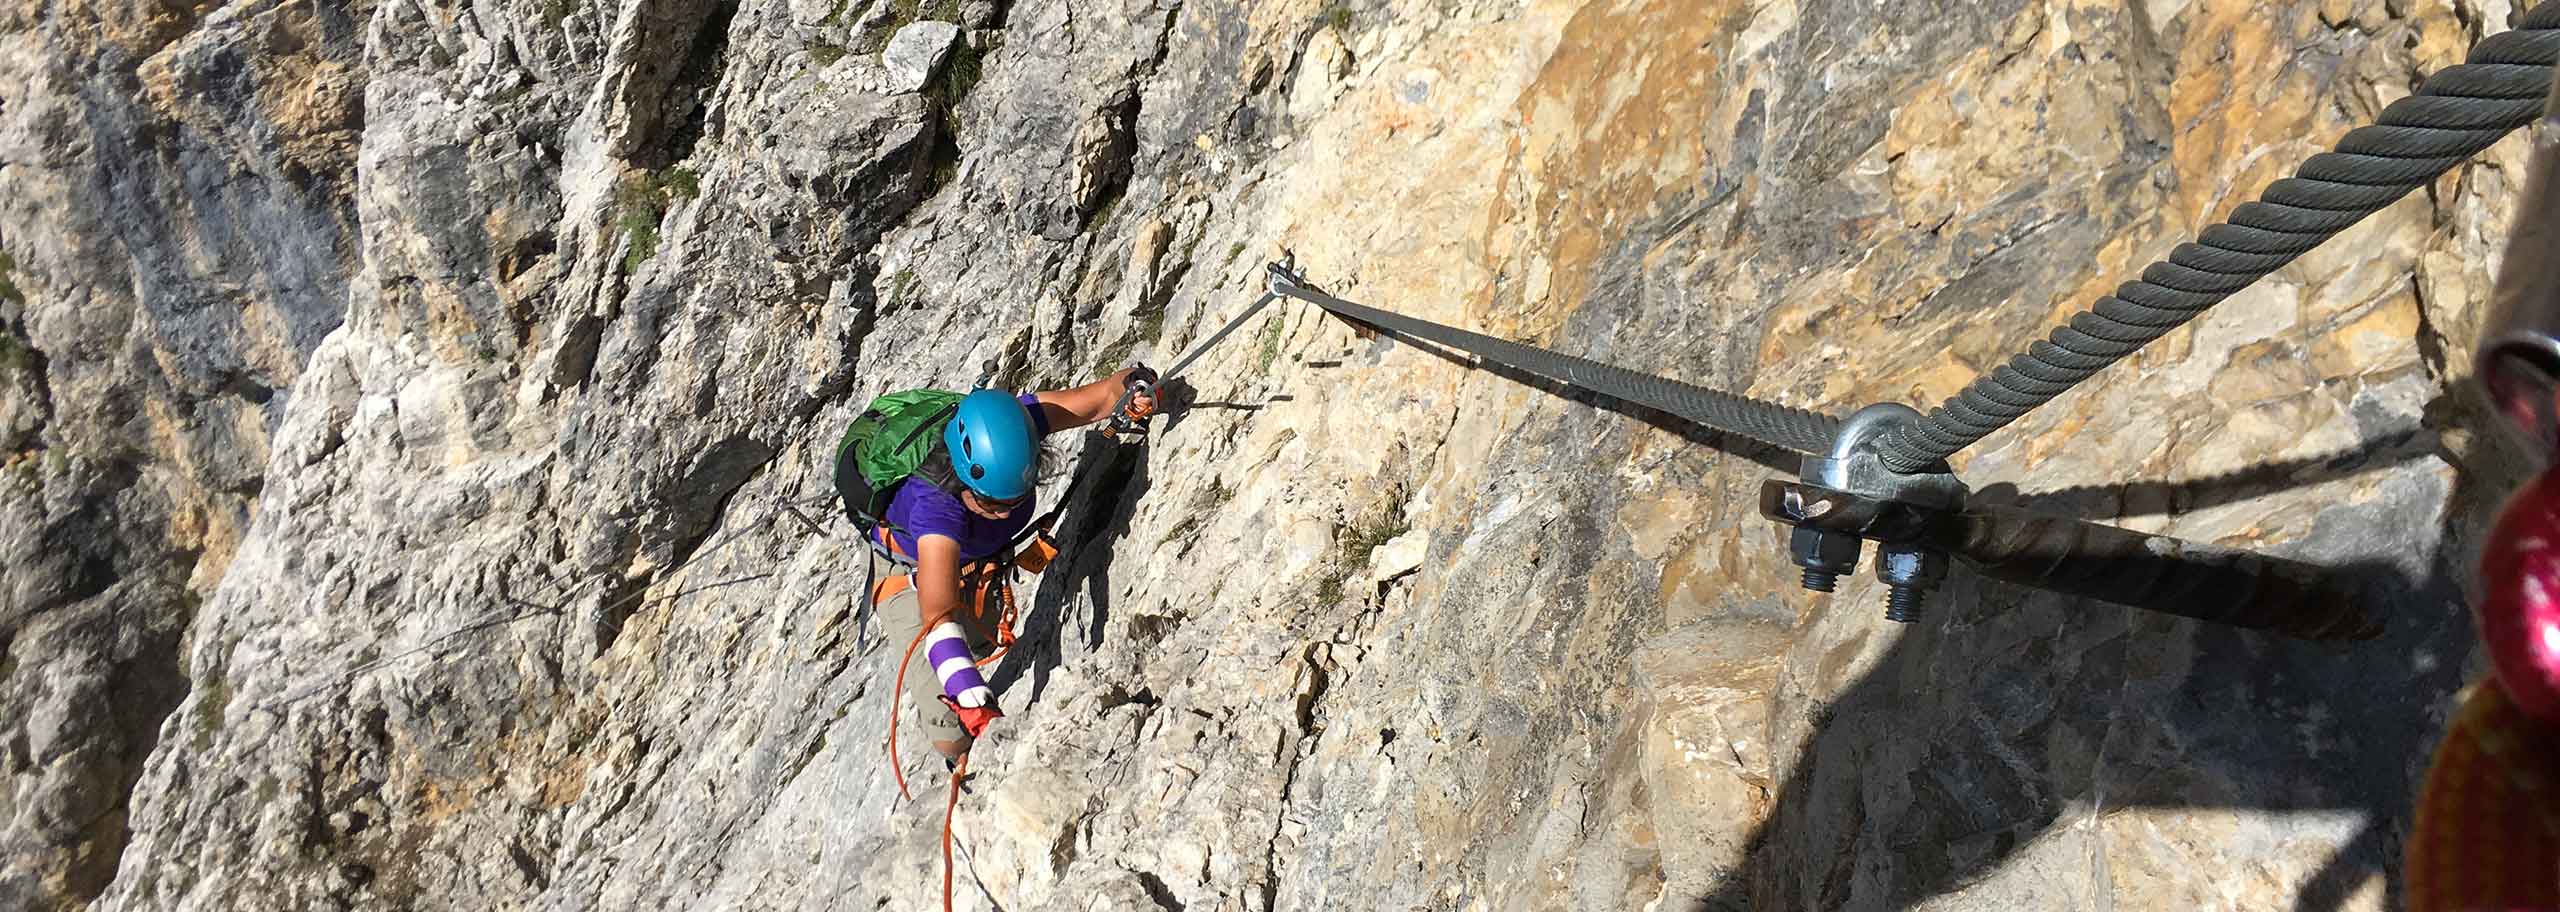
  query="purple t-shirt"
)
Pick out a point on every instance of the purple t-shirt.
point(922, 509)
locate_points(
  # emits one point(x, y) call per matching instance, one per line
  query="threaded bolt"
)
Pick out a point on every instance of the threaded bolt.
point(1823, 555)
point(1903, 604)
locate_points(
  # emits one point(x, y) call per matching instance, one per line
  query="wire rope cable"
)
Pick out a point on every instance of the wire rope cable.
point(2454, 115)
point(1767, 422)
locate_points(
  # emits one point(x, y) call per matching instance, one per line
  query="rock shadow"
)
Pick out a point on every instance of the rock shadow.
point(1111, 479)
point(2004, 734)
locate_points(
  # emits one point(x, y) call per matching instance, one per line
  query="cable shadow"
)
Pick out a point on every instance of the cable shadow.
point(2013, 715)
point(1089, 534)
point(2148, 498)
point(1240, 406)
point(1178, 399)
point(1773, 458)
point(1988, 783)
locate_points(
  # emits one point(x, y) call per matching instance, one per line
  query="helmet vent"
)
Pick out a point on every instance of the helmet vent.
point(977, 471)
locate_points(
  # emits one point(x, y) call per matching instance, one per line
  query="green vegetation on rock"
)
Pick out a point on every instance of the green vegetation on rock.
point(641, 204)
point(9, 290)
point(1336, 15)
point(209, 710)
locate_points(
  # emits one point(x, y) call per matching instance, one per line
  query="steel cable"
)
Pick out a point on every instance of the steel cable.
point(2454, 115)
point(1767, 422)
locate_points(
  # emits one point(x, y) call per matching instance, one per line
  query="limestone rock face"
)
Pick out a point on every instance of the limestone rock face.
point(915, 52)
point(177, 235)
point(414, 416)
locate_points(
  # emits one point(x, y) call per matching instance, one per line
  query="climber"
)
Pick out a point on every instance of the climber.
point(952, 535)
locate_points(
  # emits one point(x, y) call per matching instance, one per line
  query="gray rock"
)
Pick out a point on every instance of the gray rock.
point(915, 52)
point(423, 533)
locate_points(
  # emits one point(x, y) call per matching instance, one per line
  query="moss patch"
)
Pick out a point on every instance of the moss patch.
point(14, 354)
point(1329, 589)
point(9, 290)
point(1353, 546)
point(951, 84)
point(641, 203)
point(1361, 541)
point(209, 710)
point(1150, 323)
point(960, 74)
point(681, 183)
point(1270, 342)
point(902, 289)
point(1109, 207)
point(902, 13)
point(1336, 15)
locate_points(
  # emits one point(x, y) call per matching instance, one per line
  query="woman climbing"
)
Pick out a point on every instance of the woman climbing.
point(941, 485)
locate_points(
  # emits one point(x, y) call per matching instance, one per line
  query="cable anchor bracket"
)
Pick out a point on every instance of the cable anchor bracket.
point(1848, 496)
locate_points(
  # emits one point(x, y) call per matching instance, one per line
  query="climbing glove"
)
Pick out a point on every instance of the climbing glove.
point(1142, 380)
point(974, 719)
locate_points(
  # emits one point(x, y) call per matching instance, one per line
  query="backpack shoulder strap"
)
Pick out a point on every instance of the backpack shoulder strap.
point(936, 470)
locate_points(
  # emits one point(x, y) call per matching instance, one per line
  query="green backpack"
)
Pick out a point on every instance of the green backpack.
point(899, 436)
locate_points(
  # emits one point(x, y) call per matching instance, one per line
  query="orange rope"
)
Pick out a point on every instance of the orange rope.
point(897, 770)
point(1004, 641)
point(960, 770)
point(957, 773)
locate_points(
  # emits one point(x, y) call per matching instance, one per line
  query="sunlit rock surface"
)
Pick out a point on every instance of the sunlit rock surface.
point(405, 407)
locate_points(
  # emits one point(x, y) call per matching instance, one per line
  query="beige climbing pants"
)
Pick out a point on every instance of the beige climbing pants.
point(898, 618)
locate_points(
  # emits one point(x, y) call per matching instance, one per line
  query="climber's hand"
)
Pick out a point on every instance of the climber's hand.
point(1141, 383)
point(974, 719)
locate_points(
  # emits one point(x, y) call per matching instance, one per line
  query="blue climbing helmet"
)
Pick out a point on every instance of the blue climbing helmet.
point(991, 445)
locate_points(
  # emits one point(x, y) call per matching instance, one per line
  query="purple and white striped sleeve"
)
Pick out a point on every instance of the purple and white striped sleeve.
point(947, 649)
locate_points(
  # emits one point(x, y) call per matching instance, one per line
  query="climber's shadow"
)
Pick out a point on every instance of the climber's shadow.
point(1112, 479)
point(2021, 713)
